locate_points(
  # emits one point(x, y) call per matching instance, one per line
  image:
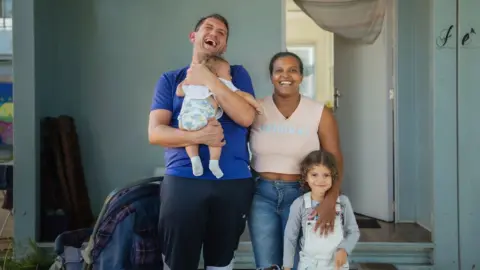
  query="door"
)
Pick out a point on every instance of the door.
point(363, 79)
point(468, 132)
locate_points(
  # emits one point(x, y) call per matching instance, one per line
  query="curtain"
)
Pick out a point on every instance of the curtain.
point(357, 20)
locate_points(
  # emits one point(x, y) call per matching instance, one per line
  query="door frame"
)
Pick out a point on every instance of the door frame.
point(392, 25)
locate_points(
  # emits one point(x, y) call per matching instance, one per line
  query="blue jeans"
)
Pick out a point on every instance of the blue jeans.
point(268, 218)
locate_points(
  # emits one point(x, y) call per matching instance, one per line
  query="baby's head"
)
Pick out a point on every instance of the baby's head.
point(218, 66)
point(319, 171)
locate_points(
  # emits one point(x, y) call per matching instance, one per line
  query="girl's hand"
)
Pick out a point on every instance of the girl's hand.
point(326, 214)
point(340, 258)
point(199, 74)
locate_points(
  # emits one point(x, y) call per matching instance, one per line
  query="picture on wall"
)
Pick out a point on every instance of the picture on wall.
point(307, 54)
point(6, 113)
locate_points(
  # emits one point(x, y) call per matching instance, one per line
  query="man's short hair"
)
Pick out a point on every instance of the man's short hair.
point(214, 16)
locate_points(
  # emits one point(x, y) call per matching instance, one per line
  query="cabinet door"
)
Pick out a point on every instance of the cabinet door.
point(469, 132)
point(445, 184)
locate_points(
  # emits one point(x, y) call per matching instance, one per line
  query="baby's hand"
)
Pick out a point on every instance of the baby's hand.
point(258, 107)
point(340, 258)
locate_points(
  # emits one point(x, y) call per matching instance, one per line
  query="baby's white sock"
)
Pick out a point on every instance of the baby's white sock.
point(215, 168)
point(197, 166)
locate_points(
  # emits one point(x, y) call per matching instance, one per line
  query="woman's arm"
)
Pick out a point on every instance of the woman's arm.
point(350, 227)
point(292, 232)
point(330, 141)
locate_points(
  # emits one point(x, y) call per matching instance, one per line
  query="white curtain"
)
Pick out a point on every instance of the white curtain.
point(357, 20)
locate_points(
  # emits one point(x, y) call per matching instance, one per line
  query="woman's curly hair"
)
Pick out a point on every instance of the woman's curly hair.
point(315, 158)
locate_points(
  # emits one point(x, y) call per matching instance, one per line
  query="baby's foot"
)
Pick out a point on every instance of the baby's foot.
point(215, 168)
point(197, 166)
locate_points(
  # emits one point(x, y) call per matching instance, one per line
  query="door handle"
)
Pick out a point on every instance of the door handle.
point(336, 97)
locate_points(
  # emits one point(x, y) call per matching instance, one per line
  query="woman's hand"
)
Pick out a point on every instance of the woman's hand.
point(340, 258)
point(199, 74)
point(326, 214)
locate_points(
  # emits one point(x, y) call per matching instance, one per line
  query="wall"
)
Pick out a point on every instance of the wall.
point(423, 83)
point(99, 61)
point(301, 30)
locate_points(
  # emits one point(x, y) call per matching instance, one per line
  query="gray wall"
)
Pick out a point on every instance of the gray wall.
point(414, 169)
point(101, 59)
point(423, 80)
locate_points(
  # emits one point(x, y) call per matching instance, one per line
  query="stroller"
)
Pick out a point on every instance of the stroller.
point(125, 235)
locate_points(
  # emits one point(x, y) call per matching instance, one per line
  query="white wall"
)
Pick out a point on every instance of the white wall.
point(301, 30)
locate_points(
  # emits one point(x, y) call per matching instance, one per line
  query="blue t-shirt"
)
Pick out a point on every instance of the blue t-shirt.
point(234, 160)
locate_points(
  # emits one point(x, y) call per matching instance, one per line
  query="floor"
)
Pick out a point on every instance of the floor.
point(389, 232)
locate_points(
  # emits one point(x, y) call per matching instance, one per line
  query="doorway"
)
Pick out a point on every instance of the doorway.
point(357, 82)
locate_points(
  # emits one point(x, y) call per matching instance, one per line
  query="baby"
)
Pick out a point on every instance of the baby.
point(200, 105)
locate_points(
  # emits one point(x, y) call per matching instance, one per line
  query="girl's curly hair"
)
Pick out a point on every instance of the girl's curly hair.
point(315, 158)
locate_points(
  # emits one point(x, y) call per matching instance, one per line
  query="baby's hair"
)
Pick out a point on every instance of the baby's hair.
point(316, 158)
point(210, 61)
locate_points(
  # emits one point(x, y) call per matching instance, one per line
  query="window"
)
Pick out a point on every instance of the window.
point(307, 54)
point(6, 29)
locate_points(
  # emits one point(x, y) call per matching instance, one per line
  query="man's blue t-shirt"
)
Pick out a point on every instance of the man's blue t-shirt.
point(234, 160)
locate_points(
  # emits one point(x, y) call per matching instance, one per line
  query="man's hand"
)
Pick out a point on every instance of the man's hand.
point(340, 258)
point(326, 214)
point(199, 74)
point(211, 135)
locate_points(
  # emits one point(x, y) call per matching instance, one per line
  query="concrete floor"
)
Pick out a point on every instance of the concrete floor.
point(389, 232)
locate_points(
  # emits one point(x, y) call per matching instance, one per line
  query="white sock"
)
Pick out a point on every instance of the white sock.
point(197, 166)
point(215, 168)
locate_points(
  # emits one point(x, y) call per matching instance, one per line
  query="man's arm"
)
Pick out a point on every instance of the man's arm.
point(161, 133)
point(235, 106)
point(159, 130)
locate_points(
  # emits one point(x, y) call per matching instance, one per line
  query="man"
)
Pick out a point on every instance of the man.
point(203, 210)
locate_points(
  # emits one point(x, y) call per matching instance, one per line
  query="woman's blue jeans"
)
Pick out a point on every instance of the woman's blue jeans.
point(268, 218)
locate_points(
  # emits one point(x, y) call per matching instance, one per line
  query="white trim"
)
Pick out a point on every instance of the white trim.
point(393, 25)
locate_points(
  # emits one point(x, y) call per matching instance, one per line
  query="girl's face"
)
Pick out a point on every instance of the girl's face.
point(319, 179)
point(286, 76)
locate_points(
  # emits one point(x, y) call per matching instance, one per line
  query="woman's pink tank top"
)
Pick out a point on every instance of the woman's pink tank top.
point(278, 145)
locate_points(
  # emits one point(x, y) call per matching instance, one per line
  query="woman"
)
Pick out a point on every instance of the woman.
point(290, 127)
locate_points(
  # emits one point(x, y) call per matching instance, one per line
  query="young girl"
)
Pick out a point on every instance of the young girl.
point(318, 252)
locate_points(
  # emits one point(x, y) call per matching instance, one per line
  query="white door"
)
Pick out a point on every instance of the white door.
point(363, 77)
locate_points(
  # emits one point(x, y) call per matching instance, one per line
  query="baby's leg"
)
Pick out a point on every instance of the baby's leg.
point(214, 165)
point(250, 100)
point(213, 102)
point(197, 167)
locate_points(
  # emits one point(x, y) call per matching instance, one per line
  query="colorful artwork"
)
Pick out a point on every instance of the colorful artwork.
point(6, 113)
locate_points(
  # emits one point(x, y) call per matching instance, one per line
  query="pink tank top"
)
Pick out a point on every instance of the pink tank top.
point(278, 145)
